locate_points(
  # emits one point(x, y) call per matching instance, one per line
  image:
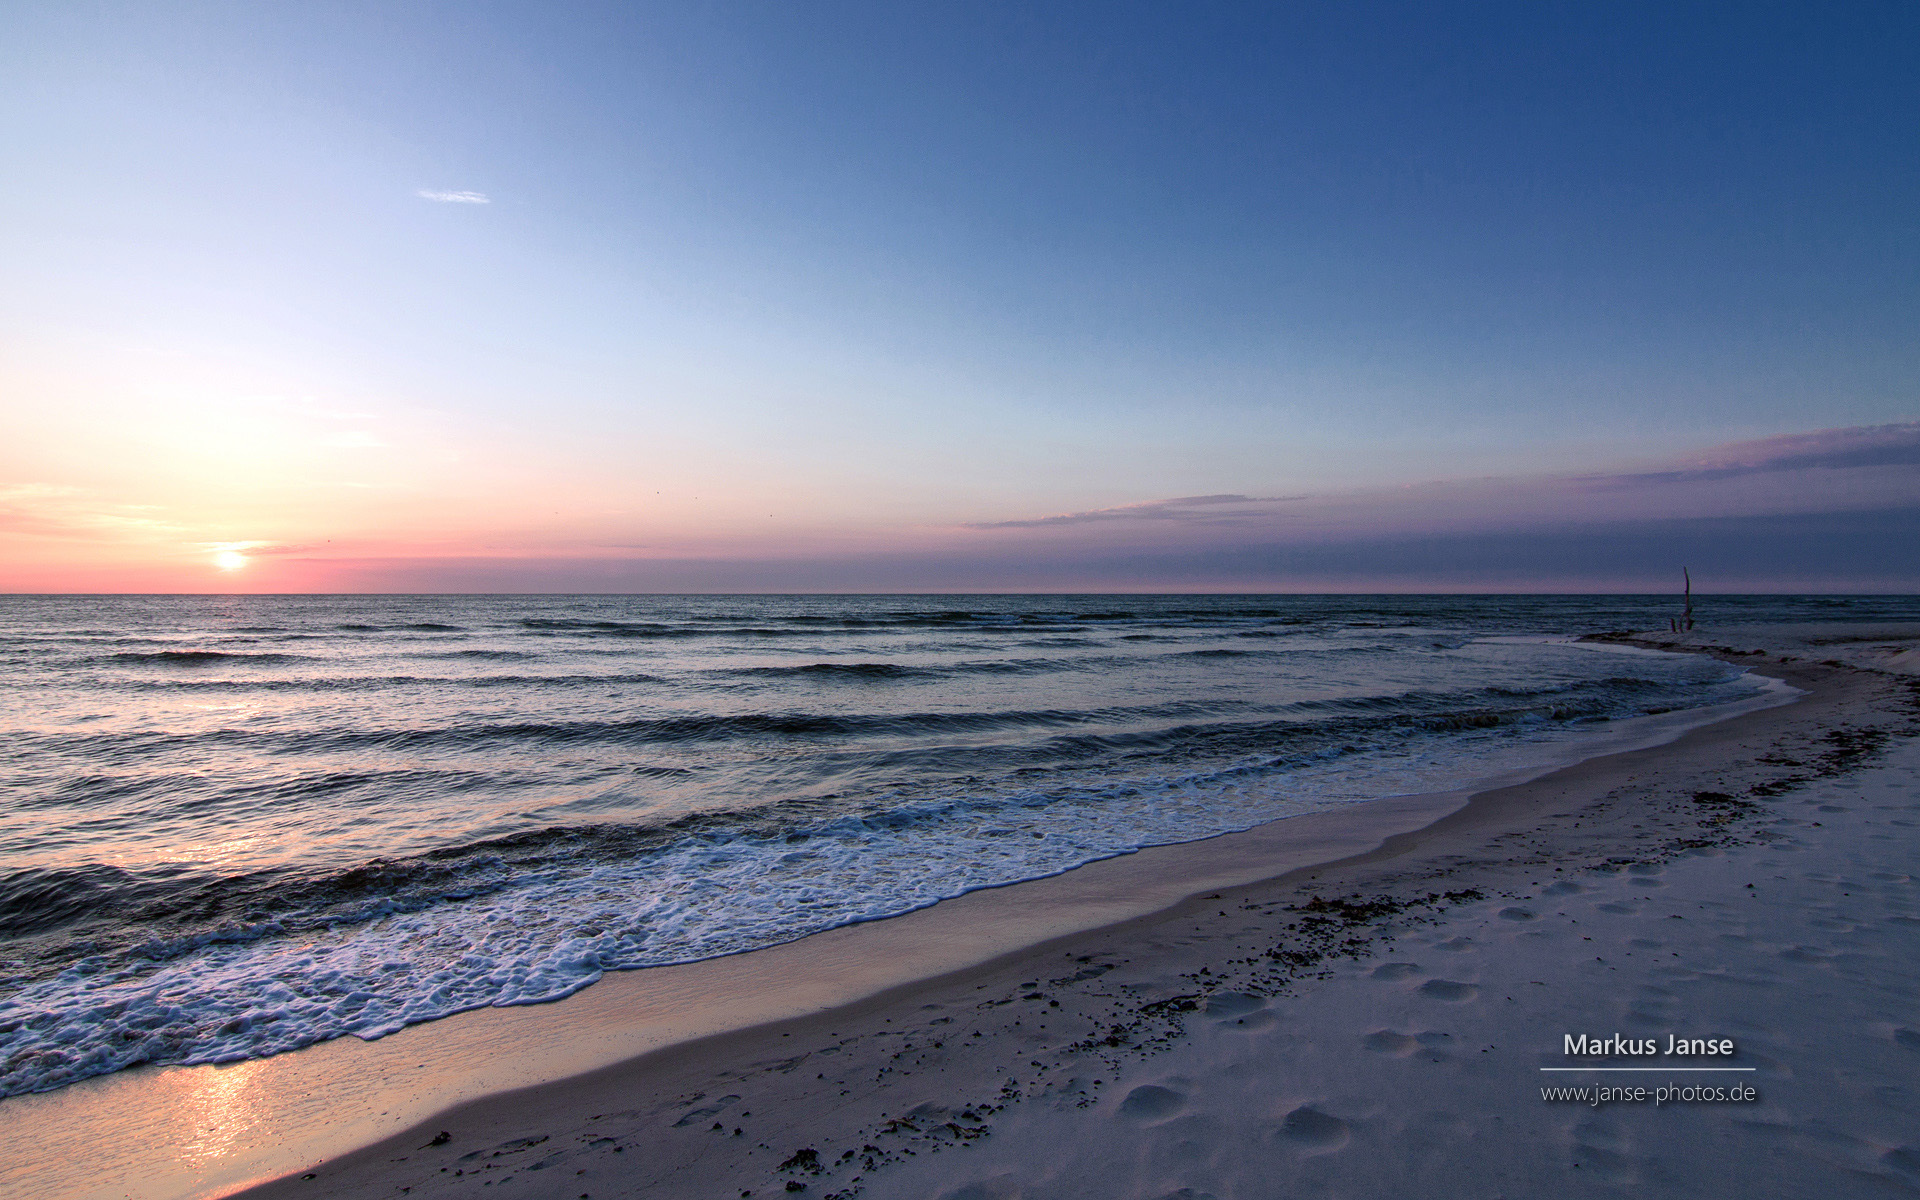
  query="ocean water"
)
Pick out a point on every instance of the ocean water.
point(233, 826)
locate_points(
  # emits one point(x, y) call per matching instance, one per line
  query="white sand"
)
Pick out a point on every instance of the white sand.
point(1417, 1071)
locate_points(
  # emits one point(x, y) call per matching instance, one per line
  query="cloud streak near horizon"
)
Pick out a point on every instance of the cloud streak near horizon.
point(455, 197)
point(1893, 445)
point(1869, 468)
point(1219, 508)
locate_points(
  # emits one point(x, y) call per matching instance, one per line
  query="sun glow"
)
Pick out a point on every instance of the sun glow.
point(229, 560)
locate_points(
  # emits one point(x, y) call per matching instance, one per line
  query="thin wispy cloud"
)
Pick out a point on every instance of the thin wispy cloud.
point(261, 549)
point(1896, 445)
point(58, 511)
point(1862, 469)
point(1221, 507)
point(455, 197)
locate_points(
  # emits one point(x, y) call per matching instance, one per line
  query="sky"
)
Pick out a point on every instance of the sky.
point(637, 297)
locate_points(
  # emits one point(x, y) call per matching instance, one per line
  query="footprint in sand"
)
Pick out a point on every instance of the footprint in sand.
point(1227, 1005)
point(705, 1111)
point(1239, 1012)
point(1806, 954)
point(1448, 990)
point(1434, 1045)
point(1605, 1151)
point(1515, 914)
point(1564, 888)
point(1152, 1103)
point(1313, 1131)
point(1398, 970)
point(1386, 1041)
point(1000, 1187)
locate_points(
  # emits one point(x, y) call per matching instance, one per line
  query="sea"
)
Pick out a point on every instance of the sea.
point(232, 826)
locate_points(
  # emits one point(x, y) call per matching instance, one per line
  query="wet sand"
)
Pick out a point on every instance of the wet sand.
point(907, 1056)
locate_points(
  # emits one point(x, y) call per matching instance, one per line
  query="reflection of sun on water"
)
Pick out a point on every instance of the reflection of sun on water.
point(218, 1109)
point(229, 560)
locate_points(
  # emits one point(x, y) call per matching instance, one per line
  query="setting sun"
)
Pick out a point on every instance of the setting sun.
point(229, 560)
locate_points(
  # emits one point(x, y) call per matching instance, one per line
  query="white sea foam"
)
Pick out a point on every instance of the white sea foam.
point(248, 990)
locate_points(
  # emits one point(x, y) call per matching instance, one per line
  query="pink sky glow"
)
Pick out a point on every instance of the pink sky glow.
point(236, 518)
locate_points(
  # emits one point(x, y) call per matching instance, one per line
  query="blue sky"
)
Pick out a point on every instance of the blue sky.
point(780, 288)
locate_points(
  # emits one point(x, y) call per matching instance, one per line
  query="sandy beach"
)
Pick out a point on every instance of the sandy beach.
point(1359, 1002)
point(968, 601)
